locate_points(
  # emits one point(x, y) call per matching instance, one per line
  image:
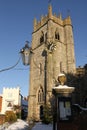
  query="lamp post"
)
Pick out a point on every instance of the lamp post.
point(26, 54)
point(63, 97)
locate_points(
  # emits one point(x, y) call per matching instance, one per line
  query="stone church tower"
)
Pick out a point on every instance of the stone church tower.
point(53, 53)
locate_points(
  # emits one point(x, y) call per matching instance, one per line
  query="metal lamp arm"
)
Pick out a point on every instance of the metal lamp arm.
point(11, 67)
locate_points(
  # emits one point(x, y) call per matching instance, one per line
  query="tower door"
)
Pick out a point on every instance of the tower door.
point(41, 112)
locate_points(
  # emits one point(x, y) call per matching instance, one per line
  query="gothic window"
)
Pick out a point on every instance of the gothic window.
point(40, 95)
point(57, 36)
point(42, 37)
point(45, 37)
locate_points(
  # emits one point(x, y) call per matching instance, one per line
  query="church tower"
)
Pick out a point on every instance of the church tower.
point(53, 53)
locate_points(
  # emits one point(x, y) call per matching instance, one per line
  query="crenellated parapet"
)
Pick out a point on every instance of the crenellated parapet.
point(57, 19)
point(38, 24)
point(67, 21)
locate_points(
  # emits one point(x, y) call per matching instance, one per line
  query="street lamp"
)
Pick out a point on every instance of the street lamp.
point(26, 54)
point(63, 98)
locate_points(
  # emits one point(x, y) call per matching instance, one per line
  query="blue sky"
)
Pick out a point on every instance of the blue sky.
point(16, 26)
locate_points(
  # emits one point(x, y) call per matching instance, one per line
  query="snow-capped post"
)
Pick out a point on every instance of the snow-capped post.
point(63, 93)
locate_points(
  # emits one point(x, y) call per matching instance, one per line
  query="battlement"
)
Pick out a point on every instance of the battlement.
point(57, 19)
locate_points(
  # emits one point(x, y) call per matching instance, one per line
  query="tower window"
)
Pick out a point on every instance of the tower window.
point(40, 95)
point(45, 37)
point(57, 36)
point(42, 37)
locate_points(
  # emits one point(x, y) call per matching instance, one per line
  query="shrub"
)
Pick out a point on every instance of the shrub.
point(47, 114)
point(18, 114)
point(10, 116)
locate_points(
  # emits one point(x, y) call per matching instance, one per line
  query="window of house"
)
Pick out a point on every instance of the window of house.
point(9, 104)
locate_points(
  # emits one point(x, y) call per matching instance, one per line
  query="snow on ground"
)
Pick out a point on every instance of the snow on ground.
point(40, 126)
point(19, 125)
point(22, 125)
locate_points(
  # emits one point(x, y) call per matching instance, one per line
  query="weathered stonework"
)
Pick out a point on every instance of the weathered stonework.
point(47, 62)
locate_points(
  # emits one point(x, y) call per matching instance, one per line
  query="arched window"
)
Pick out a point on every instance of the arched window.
point(57, 36)
point(42, 37)
point(45, 36)
point(40, 95)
